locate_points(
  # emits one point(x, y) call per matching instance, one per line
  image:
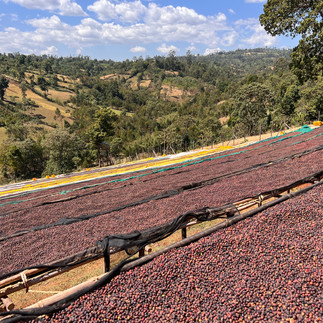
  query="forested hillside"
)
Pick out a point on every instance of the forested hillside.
point(59, 114)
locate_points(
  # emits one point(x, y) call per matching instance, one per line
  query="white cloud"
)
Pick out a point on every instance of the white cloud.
point(191, 48)
point(210, 51)
point(170, 15)
point(232, 11)
point(253, 34)
point(64, 7)
point(131, 23)
point(14, 17)
point(245, 22)
point(166, 49)
point(51, 50)
point(70, 8)
point(228, 39)
point(138, 49)
point(130, 12)
point(260, 37)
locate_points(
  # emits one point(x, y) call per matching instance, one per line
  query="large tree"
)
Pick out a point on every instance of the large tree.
point(63, 151)
point(252, 106)
point(101, 132)
point(21, 159)
point(298, 18)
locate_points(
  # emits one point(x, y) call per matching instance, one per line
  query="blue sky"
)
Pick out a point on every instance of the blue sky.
point(118, 29)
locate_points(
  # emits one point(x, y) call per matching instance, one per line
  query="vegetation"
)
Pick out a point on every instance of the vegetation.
point(298, 17)
point(76, 112)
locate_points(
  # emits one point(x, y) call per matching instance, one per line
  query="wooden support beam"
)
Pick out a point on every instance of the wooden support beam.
point(184, 233)
point(141, 252)
point(19, 284)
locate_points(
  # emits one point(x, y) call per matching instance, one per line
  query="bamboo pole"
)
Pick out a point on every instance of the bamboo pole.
point(19, 285)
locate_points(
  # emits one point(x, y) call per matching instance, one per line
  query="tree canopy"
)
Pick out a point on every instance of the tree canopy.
point(293, 18)
point(252, 104)
point(4, 83)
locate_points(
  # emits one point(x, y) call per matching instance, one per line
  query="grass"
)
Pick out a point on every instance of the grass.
point(3, 135)
point(60, 95)
point(118, 112)
point(45, 107)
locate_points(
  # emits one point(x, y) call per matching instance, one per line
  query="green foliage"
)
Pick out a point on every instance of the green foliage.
point(289, 100)
point(311, 103)
point(298, 17)
point(63, 152)
point(4, 83)
point(240, 84)
point(103, 126)
point(17, 131)
point(253, 102)
point(21, 159)
point(43, 84)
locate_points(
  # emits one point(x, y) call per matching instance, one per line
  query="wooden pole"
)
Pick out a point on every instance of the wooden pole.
point(184, 233)
point(9, 305)
point(141, 252)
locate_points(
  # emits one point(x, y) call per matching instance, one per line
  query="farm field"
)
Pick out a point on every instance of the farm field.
point(41, 226)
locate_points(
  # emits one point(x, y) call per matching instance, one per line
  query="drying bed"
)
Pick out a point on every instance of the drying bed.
point(214, 164)
point(52, 243)
point(117, 194)
point(265, 268)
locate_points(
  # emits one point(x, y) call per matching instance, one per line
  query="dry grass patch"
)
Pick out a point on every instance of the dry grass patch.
point(13, 92)
point(145, 83)
point(3, 135)
point(60, 95)
point(172, 93)
point(114, 76)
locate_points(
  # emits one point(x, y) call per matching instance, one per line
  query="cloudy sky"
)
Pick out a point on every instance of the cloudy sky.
point(119, 29)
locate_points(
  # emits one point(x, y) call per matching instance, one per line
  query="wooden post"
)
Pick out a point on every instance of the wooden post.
point(106, 257)
point(260, 199)
point(184, 233)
